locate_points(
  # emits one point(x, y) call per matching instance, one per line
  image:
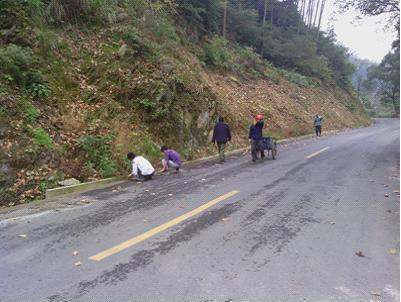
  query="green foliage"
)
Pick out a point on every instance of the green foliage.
point(145, 145)
point(387, 77)
point(298, 79)
point(18, 67)
point(39, 90)
point(140, 45)
point(217, 53)
point(98, 153)
point(31, 113)
point(40, 137)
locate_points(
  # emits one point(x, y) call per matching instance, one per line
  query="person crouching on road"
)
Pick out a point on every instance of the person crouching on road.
point(255, 137)
point(317, 122)
point(221, 135)
point(171, 159)
point(141, 168)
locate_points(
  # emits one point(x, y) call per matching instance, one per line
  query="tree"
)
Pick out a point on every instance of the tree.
point(391, 8)
point(388, 76)
point(320, 17)
point(225, 3)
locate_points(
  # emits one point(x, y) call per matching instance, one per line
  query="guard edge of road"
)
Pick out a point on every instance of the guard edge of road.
point(113, 181)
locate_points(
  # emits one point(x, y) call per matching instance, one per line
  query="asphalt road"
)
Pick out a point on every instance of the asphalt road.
point(289, 230)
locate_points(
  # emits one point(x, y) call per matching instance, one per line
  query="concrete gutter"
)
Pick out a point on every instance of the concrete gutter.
point(112, 181)
point(84, 187)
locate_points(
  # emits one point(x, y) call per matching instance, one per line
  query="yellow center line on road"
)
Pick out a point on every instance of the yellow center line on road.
point(317, 153)
point(126, 244)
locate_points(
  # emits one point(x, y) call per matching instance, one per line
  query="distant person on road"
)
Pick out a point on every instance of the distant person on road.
point(255, 137)
point(141, 168)
point(221, 136)
point(317, 122)
point(171, 159)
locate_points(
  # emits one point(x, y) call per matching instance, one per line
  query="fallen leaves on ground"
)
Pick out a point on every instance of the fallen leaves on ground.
point(79, 263)
point(170, 194)
point(359, 254)
point(386, 195)
point(22, 236)
point(75, 253)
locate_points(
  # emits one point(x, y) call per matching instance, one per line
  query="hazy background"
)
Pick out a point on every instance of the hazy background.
point(365, 38)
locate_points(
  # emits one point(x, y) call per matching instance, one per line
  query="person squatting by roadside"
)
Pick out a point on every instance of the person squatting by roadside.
point(317, 122)
point(255, 137)
point(221, 136)
point(142, 169)
point(171, 159)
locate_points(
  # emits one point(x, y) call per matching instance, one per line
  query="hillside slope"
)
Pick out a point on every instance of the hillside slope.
point(75, 99)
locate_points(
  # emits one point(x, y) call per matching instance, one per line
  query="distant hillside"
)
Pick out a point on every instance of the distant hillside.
point(76, 96)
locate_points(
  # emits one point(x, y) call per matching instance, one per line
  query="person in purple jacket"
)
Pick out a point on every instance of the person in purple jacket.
point(171, 159)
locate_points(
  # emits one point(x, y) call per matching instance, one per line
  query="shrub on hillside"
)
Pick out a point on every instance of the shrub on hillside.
point(41, 138)
point(18, 67)
point(97, 153)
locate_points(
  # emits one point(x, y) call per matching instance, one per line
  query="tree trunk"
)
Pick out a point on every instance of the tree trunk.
point(263, 27)
point(308, 13)
point(271, 15)
point(395, 103)
point(320, 17)
point(302, 13)
point(303, 9)
point(312, 7)
point(225, 18)
point(317, 10)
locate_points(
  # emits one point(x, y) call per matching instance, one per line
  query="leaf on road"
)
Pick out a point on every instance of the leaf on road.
point(392, 251)
point(22, 236)
point(152, 193)
point(79, 263)
point(224, 219)
point(386, 195)
point(359, 254)
point(75, 253)
point(114, 191)
point(371, 180)
point(170, 194)
point(396, 192)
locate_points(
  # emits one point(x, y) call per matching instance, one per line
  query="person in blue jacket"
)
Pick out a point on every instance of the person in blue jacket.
point(221, 136)
point(255, 137)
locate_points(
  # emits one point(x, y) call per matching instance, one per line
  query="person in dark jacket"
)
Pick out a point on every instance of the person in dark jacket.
point(317, 122)
point(221, 135)
point(255, 136)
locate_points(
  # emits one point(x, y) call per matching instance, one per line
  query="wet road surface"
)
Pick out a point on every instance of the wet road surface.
point(289, 230)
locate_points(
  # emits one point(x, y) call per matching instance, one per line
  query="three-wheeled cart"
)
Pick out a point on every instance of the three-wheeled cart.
point(270, 145)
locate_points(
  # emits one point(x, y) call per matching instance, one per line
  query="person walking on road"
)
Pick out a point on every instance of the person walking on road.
point(171, 159)
point(317, 122)
point(221, 135)
point(142, 169)
point(255, 137)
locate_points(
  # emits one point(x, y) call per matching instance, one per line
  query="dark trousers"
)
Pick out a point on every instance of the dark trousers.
point(144, 177)
point(255, 148)
point(318, 130)
point(221, 147)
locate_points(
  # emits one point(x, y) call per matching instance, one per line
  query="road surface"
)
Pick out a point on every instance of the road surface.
point(283, 230)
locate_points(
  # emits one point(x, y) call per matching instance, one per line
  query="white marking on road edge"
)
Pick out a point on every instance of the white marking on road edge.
point(126, 244)
point(317, 153)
